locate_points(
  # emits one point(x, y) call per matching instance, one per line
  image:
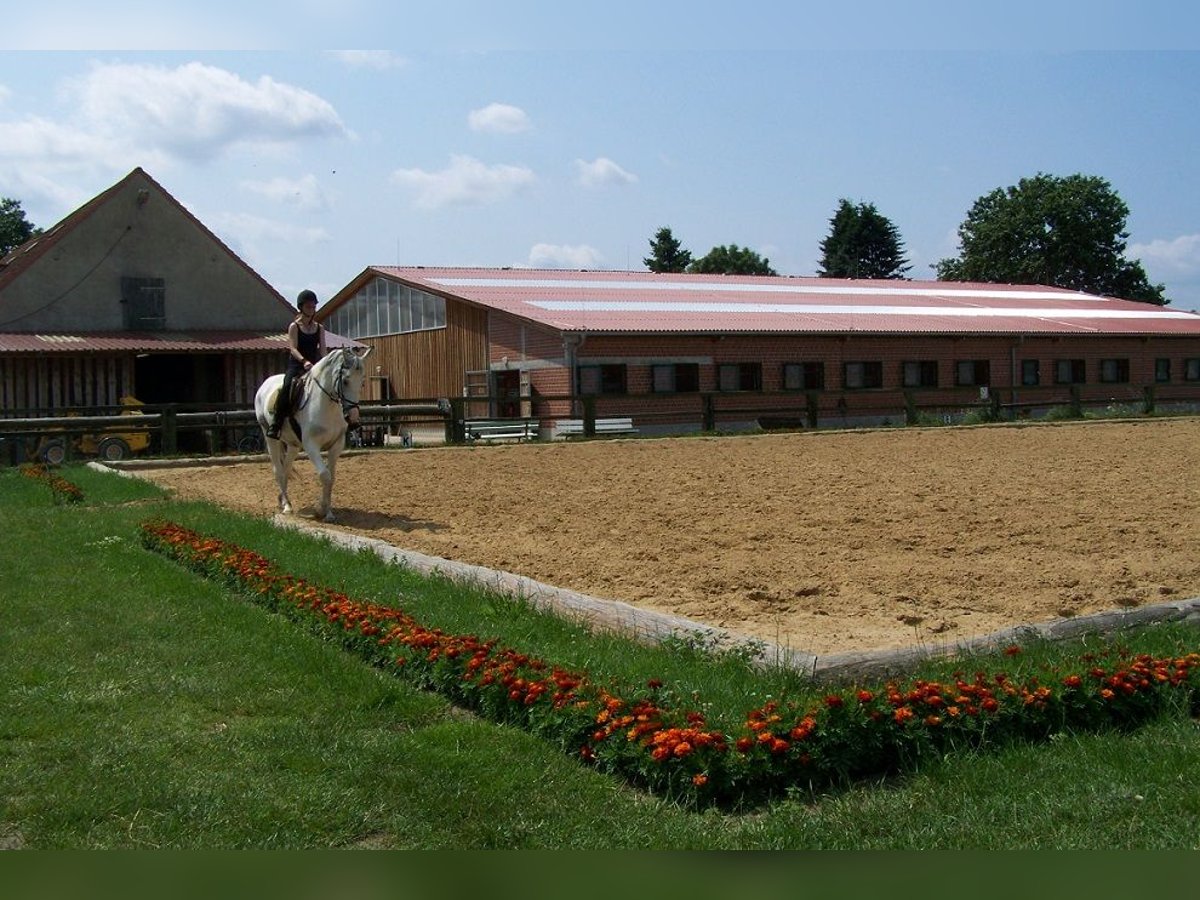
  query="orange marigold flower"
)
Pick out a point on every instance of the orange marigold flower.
point(699, 779)
point(744, 744)
point(1107, 694)
point(1012, 650)
point(1073, 681)
point(779, 745)
point(833, 701)
point(865, 696)
point(990, 704)
point(683, 748)
point(933, 721)
point(902, 715)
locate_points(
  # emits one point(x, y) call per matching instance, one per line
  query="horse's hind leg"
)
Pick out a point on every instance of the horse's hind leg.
point(282, 457)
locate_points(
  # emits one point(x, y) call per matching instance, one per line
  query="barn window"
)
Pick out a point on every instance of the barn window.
point(1114, 371)
point(739, 377)
point(385, 307)
point(921, 373)
point(675, 378)
point(1162, 369)
point(972, 372)
point(809, 376)
point(144, 301)
point(1191, 369)
point(1070, 371)
point(859, 375)
point(1030, 373)
point(602, 379)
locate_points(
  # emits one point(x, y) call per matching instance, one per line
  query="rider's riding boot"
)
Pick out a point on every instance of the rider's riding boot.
point(276, 423)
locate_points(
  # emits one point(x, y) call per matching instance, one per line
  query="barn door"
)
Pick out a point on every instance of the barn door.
point(477, 391)
point(526, 394)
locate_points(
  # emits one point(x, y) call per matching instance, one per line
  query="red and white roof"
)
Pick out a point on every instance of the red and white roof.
point(645, 302)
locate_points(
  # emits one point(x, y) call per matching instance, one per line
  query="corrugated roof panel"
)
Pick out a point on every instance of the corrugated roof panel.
point(153, 342)
point(647, 302)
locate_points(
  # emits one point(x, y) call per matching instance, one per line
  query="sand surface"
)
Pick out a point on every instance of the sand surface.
point(821, 542)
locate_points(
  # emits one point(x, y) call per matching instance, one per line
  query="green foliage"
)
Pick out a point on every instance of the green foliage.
point(1063, 232)
point(862, 244)
point(666, 253)
point(732, 260)
point(15, 229)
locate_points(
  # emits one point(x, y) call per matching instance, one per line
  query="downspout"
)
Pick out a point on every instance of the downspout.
point(572, 343)
point(1013, 375)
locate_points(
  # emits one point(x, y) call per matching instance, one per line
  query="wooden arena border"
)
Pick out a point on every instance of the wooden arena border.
point(653, 626)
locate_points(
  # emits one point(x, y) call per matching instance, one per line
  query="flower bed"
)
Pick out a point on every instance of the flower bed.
point(63, 490)
point(641, 734)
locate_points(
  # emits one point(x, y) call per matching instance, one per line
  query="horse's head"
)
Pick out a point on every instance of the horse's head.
point(351, 374)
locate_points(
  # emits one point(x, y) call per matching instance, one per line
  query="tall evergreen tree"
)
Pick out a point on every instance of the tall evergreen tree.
point(862, 244)
point(732, 260)
point(1063, 232)
point(15, 229)
point(666, 253)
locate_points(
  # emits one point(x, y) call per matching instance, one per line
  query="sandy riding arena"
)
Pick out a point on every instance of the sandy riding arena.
point(821, 542)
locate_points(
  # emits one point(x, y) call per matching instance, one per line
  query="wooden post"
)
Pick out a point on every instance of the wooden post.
point(708, 413)
point(170, 430)
point(589, 416)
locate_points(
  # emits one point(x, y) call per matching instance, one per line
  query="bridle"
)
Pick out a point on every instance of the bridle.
point(340, 397)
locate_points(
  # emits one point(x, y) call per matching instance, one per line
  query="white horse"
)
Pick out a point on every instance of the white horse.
point(329, 395)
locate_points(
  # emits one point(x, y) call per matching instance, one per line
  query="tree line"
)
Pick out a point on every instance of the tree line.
point(1059, 232)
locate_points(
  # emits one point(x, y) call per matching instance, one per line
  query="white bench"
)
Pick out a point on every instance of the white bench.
point(570, 427)
point(500, 429)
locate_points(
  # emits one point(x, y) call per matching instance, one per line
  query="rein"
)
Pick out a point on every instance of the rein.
point(340, 397)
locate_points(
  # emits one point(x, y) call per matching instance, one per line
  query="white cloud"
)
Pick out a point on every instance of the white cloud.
point(197, 111)
point(499, 118)
point(600, 172)
point(40, 140)
point(563, 256)
point(1178, 256)
point(305, 193)
point(380, 60)
point(256, 228)
point(465, 182)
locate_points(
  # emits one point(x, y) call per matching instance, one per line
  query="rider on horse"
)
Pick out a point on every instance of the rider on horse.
point(306, 346)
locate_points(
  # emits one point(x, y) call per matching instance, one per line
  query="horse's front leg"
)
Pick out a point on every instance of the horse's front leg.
point(325, 476)
point(334, 452)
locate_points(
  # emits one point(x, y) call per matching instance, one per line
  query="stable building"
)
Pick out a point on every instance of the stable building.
point(677, 352)
point(131, 295)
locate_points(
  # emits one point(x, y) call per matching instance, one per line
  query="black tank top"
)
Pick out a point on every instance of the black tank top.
point(309, 345)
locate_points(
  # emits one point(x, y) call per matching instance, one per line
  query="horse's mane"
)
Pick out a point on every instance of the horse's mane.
point(327, 360)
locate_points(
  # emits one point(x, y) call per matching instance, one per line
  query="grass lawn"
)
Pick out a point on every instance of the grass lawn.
point(146, 707)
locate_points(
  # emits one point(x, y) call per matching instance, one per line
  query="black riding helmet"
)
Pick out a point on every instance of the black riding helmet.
point(306, 296)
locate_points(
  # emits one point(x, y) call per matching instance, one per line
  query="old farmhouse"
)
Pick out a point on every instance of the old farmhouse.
point(131, 295)
point(679, 352)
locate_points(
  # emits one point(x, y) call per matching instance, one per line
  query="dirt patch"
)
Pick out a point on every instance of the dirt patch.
point(821, 542)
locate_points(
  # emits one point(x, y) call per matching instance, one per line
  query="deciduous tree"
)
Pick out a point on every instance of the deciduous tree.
point(15, 229)
point(732, 260)
point(1065, 232)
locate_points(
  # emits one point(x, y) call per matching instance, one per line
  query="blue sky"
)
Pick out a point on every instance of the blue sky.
point(529, 134)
